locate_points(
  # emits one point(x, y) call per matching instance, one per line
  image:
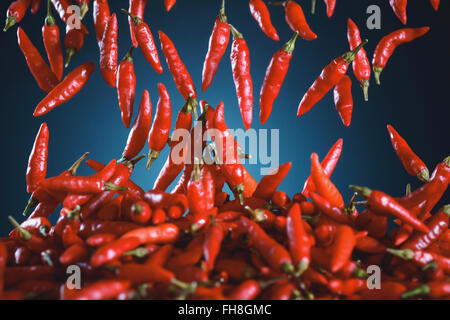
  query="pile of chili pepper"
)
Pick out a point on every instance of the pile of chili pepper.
point(199, 241)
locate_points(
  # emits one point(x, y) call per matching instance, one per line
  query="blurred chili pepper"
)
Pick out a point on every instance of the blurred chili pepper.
point(435, 4)
point(37, 162)
point(102, 290)
point(169, 4)
point(324, 186)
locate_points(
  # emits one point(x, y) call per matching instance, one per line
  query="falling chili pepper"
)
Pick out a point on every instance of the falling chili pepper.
point(101, 14)
point(435, 4)
point(51, 38)
point(67, 14)
point(126, 86)
point(274, 78)
point(261, 14)
point(389, 43)
point(323, 184)
point(361, 64)
point(331, 5)
point(137, 8)
point(343, 100)
point(399, 7)
point(159, 133)
point(43, 75)
point(240, 66)
point(218, 43)
point(410, 161)
point(295, 18)
point(37, 162)
point(73, 42)
point(139, 132)
point(169, 4)
point(66, 89)
point(270, 182)
point(330, 76)
point(109, 52)
point(15, 13)
point(180, 74)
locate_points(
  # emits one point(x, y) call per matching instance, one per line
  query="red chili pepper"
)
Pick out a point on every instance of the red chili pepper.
point(45, 78)
point(295, 18)
point(113, 250)
point(410, 161)
point(74, 254)
point(218, 43)
point(331, 211)
point(389, 43)
point(342, 248)
point(247, 290)
point(299, 244)
point(101, 15)
point(137, 8)
point(370, 245)
point(102, 290)
point(169, 4)
point(261, 14)
point(73, 42)
point(37, 162)
point(78, 185)
point(274, 78)
point(15, 13)
point(240, 66)
point(98, 240)
point(381, 203)
point(51, 38)
point(112, 210)
point(137, 273)
point(33, 242)
point(66, 89)
point(330, 76)
point(180, 74)
point(270, 182)
point(435, 4)
point(399, 7)
point(162, 233)
point(67, 14)
point(126, 86)
point(331, 5)
point(324, 186)
point(109, 52)
point(433, 290)
point(200, 194)
point(328, 164)
point(343, 100)
point(422, 258)
point(274, 254)
point(361, 64)
point(141, 213)
point(35, 6)
point(159, 132)
point(212, 244)
point(70, 237)
point(250, 184)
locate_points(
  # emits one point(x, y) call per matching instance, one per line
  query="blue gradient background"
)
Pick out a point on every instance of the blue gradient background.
point(413, 96)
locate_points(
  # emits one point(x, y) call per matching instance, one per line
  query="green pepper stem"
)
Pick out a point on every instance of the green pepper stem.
point(24, 234)
point(376, 73)
point(32, 202)
point(406, 254)
point(136, 20)
point(363, 191)
point(49, 19)
point(424, 175)
point(290, 45)
point(222, 15)
point(10, 21)
point(73, 169)
point(70, 52)
point(350, 56)
point(152, 156)
point(110, 187)
point(236, 33)
point(313, 6)
point(129, 56)
point(419, 291)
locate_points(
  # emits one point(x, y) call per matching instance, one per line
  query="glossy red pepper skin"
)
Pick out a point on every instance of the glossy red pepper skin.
point(38, 67)
point(137, 8)
point(218, 43)
point(296, 20)
point(261, 14)
point(399, 7)
point(66, 89)
point(37, 162)
point(126, 88)
point(66, 14)
point(101, 14)
point(15, 13)
point(52, 44)
point(141, 213)
point(35, 6)
point(113, 250)
point(74, 254)
point(361, 64)
point(270, 182)
point(331, 5)
point(274, 78)
point(240, 66)
point(299, 243)
point(389, 43)
point(73, 42)
point(180, 74)
point(410, 161)
point(168, 4)
point(343, 100)
point(140, 130)
point(248, 290)
point(163, 233)
point(330, 76)
point(333, 212)
point(109, 52)
point(342, 248)
point(435, 4)
point(212, 245)
point(102, 290)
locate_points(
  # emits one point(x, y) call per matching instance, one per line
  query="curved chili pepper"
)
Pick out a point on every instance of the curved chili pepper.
point(295, 18)
point(113, 250)
point(274, 78)
point(261, 14)
point(145, 40)
point(41, 72)
point(435, 4)
point(73, 254)
point(66, 89)
point(250, 183)
point(162, 233)
point(35, 6)
point(212, 244)
point(240, 66)
point(361, 64)
point(33, 242)
point(109, 52)
point(299, 244)
point(422, 258)
point(389, 43)
point(433, 290)
point(328, 164)
point(73, 42)
point(333, 212)
point(70, 237)
point(139, 132)
point(66, 14)
point(102, 290)
point(180, 74)
point(342, 248)
point(37, 162)
point(248, 290)
point(381, 203)
point(51, 38)
point(330, 76)
point(101, 13)
point(78, 185)
point(270, 182)
point(15, 13)
point(399, 7)
point(218, 43)
point(410, 161)
point(159, 132)
point(274, 254)
point(324, 186)
point(168, 4)
point(126, 86)
point(112, 210)
point(343, 100)
point(137, 8)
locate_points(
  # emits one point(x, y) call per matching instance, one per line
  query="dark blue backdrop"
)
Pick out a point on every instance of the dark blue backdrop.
point(413, 96)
